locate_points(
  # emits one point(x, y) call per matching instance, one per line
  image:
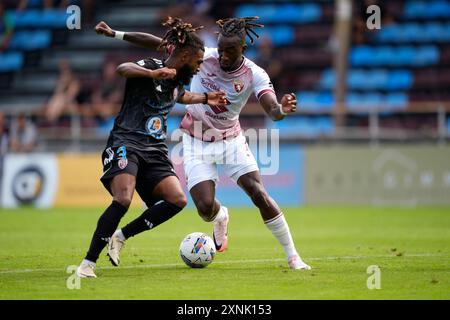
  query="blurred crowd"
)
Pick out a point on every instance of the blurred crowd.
point(17, 135)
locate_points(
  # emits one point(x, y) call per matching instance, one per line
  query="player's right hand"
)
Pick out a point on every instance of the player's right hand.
point(103, 28)
point(164, 73)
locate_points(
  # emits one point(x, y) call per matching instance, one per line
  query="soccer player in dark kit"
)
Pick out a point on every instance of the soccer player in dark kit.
point(136, 155)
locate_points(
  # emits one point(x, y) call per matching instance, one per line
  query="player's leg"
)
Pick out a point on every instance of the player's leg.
point(274, 219)
point(119, 179)
point(160, 189)
point(210, 209)
point(172, 200)
point(201, 174)
point(241, 167)
point(122, 188)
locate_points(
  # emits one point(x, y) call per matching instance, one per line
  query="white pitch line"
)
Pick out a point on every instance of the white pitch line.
point(148, 266)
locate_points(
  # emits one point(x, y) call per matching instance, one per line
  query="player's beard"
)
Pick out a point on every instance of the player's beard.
point(185, 74)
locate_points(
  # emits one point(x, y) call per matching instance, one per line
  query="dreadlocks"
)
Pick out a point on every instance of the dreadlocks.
point(239, 27)
point(181, 35)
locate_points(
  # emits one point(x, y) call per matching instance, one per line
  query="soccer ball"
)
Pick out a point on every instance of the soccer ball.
point(197, 250)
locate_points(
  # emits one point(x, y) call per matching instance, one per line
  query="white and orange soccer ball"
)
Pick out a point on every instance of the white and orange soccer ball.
point(197, 250)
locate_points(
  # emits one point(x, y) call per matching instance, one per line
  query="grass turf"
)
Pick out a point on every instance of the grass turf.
point(410, 246)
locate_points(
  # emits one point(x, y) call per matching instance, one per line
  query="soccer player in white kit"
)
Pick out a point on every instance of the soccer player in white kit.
point(213, 136)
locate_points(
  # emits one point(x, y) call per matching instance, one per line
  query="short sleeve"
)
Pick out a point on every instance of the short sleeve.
point(261, 83)
point(146, 63)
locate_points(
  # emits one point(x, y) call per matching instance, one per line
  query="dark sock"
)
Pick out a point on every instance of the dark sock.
point(150, 218)
point(106, 226)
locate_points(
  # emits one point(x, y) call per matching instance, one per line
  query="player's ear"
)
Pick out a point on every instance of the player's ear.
point(244, 47)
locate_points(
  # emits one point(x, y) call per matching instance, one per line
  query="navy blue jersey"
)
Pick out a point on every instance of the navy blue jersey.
point(142, 121)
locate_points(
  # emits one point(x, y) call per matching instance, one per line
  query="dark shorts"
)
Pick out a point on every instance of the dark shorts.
point(149, 168)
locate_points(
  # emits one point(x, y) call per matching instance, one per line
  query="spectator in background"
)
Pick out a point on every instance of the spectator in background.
point(64, 98)
point(107, 96)
point(23, 135)
point(267, 60)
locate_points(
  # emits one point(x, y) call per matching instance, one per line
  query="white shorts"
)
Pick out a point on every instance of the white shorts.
point(201, 159)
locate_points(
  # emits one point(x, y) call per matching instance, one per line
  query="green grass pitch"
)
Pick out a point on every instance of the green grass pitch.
point(410, 246)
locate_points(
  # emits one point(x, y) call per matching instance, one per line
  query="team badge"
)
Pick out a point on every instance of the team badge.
point(238, 85)
point(123, 163)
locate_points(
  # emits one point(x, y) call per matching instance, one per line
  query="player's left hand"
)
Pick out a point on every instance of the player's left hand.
point(217, 99)
point(289, 103)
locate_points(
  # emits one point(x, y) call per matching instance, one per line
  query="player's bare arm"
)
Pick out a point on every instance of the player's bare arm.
point(214, 99)
point(141, 39)
point(132, 70)
point(275, 110)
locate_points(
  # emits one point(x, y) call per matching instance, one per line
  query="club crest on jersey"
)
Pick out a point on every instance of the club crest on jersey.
point(154, 125)
point(238, 85)
point(123, 163)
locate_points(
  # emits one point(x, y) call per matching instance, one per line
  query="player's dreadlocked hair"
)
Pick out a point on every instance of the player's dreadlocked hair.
point(239, 27)
point(181, 35)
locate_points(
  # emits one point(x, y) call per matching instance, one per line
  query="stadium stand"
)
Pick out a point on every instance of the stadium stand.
point(401, 70)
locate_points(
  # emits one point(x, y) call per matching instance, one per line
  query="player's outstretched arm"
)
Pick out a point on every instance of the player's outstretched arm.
point(141, 39)
point(214, 99)
point(132, 70)
point(275, 110)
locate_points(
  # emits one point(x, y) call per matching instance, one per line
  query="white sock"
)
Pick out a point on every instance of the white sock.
point(221, 214)
point(88, 262)
point(120, 235)
point(280, 230)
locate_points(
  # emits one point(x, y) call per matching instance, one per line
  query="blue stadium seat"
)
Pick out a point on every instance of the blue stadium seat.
point(438, 9)
point(402, 56)
point(383, 56)
point(310, 127)
point(281, 13)
point(415, 9)
point(31, 40)
point(427, 9)
point(280, 35)
point(398, 80)
point(39, 18)
point(361, 56)
point(397, 100)
point(311, 100)
point(11, 61)
point(327, 79)
point(426, 55)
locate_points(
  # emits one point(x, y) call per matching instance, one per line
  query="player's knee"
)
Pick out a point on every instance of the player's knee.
point(259, 195)
point(179, 200)
point(124, 199)
point(205, 209)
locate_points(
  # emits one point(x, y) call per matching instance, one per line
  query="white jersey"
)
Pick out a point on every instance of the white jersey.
point(238, 85)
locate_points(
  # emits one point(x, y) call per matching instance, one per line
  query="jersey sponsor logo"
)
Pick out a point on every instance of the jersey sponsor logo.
point(209, 84)
point(154, 125)
point(238, 85)
point(211, 74)
point(209, 114)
